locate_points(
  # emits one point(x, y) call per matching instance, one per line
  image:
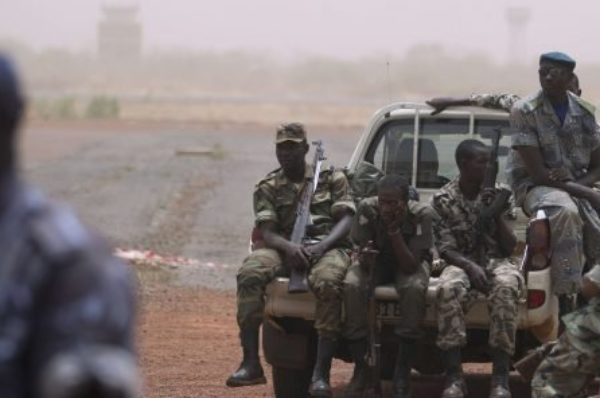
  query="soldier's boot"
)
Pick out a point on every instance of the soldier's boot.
point(360, 377)
point(499, 386)
point(404, 362)
point(250, 371)
point(455, 386)
point(319, 383)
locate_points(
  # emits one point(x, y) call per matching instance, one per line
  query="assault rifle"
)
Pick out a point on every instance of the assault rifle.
point(373, 357)
point(490, 210)
point(298, 278)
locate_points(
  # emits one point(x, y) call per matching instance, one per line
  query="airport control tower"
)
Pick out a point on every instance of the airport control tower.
point(119, 34)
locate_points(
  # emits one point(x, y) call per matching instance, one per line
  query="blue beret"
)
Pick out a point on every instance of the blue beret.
point(559, 58)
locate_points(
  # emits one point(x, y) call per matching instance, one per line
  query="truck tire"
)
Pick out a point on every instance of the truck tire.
point(291, 383)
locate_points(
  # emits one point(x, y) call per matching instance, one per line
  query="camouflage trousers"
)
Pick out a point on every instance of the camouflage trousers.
point(567, 370)
point(326, 279)
point(455, 297)
point(412, 291)
point(575, 234)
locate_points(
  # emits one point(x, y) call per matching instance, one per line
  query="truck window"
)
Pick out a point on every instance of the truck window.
point(484, 129)
point(392, 149)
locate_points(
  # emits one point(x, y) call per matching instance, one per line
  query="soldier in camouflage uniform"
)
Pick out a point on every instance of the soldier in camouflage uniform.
point(401, 232)
point(554, 162)
point(66, 304)
point(478, 264)
point(575, 360)
point(275, 205)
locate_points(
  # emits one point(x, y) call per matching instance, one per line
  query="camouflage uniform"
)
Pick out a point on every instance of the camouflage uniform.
point(575, 360)
point(412, 289)
point(574, 224)
point(275, 201)
point(66, 304)
point(503, 102)
point(456, 230)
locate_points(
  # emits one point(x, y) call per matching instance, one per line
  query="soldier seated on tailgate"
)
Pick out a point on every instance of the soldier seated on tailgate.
point(478, 264)
point(66, 304)
point(400, 233)
point(553, 165)
point(574, 361)
point(327, 260)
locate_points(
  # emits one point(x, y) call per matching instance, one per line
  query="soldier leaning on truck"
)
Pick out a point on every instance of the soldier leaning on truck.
point(504, 101)
point(478, 263)
point(331, 209)
point(401, 232)
point(575, 360)
point(554, 162)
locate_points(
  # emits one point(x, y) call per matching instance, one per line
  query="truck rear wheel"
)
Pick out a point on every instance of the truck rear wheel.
point(291, 383)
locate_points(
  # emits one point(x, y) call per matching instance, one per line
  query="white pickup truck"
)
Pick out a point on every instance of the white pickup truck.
point(403, 138)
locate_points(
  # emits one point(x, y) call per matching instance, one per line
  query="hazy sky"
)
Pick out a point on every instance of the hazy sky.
point(343, 28)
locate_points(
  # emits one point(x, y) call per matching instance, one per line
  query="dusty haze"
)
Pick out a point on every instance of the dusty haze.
point(344, 28)
point(337, 51)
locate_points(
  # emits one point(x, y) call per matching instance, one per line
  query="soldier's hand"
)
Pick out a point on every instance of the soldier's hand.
point(439, 104)
point(296, 257)
point(315, 252)
point(488, 195)
point(478, 278)
point(367, 256)
point(560, 174)
point(594, 200)
point(394, 219)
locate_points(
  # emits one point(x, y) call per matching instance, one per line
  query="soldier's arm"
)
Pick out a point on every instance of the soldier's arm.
point(406, 260)
point(526, 144)
point(590, 286)
point(503, 102)
point(409, 255)
point(267, 220)
point(447, 246)
point(439, 104)
point(593, 174)
point(342, 211)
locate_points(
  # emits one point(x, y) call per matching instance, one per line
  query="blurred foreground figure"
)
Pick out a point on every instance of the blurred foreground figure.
point(66, 304)
point(575, 360)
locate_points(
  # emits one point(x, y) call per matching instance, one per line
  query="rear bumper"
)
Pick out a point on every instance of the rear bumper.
point(543, 320)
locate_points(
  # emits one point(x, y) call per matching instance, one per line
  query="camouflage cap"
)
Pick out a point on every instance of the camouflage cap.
point(290, 132)
point(559, 58)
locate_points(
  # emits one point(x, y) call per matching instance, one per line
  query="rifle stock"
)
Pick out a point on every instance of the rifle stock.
point(373, 357)
point(299, 278)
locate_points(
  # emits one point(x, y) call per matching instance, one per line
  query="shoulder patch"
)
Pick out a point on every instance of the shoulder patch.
point(270, 176)
point(584, 104)
point(531, 103)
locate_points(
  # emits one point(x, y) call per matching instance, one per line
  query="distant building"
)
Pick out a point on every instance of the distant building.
point(119, 34)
